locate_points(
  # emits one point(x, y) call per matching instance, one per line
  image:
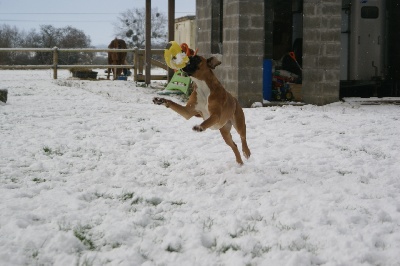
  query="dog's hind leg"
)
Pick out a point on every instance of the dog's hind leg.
point(239, 124)
point(226, 134)
point(245, 149)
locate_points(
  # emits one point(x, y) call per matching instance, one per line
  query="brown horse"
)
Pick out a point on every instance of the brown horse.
point(116, 58)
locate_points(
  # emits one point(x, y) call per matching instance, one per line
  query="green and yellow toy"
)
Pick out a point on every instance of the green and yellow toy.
point(175, 55)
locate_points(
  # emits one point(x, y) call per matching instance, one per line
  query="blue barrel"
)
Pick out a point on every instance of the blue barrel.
point(267, 79)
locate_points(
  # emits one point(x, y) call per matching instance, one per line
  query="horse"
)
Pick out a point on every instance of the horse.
point(116, 58)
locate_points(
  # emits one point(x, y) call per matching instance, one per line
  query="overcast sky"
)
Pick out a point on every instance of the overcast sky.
point(94, 17)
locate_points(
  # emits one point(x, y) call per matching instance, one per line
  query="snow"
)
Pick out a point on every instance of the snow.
point(179, 58)
point(93, 173)
point(179, 61)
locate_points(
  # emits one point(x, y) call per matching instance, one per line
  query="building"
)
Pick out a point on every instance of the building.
point(185, 30)
point(245, 34)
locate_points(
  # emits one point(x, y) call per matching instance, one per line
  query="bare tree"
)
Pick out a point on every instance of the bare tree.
point(131, 27)
point(10, 37)
point(67, 37)
point(47, 37)
point(74, 38)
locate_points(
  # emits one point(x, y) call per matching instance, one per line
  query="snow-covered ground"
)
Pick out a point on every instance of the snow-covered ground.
point(93, 173)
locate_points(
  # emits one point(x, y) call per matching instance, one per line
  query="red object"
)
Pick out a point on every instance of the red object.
point(189, 52)
point(293, 56)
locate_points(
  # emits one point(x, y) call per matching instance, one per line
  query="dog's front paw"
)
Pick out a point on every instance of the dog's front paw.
point(159, 101)
point(198, 128)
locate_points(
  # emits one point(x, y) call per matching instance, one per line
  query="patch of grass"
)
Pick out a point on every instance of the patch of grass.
point(127, 196)
point(158, 218)
point(64, 83)
point(86, 261)
point(81, 232)
point(224, 249)
point(284, 227)
point(155, 129)
point(35, 254)
point(343, 173)
point(142, 85)
point(284, 172)
point(259, 250)
point(208, 223)
point(249, 228)
point(165, 164)
point(49, 151)
point(116, 245)
point(178, 203)
point(137, 201)
point(161, 183)
point(302, 245)
point(103, 195)
point(39, 180)
point(130, 143)
point(171, 248)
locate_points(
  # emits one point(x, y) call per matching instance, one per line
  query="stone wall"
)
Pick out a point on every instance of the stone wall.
point(251, 51)
point(242, 48)
point(247, 39)
point(203, 17)
point(321, 51)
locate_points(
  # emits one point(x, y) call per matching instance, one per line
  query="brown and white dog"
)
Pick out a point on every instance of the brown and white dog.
point(209, 100)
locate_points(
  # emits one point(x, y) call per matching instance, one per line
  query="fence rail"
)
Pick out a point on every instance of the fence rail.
point(138, 60)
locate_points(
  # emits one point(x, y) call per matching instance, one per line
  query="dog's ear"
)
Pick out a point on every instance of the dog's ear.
point(212, 62)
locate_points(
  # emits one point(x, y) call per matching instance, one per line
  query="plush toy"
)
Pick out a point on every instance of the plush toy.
point(175, 56)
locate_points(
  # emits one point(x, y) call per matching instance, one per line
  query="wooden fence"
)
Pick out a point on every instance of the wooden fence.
point(138, 60)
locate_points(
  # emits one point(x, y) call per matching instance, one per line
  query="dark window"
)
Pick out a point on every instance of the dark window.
point(369, 12)
point(216, 26)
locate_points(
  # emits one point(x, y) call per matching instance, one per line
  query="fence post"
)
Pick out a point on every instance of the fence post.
point(132, 66)
point(135, 64)
point(55, 61)
point(148, 42)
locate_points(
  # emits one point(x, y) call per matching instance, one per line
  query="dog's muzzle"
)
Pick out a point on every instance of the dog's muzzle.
point(193, 65)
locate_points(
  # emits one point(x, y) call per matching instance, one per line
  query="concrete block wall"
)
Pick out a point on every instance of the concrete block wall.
point(268, 29)
point(251, 51)
point(229, 70)
point(321, 51)
point(203, 20)
point(243, 46)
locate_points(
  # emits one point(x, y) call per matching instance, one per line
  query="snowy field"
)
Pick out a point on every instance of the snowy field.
point(93, 173)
